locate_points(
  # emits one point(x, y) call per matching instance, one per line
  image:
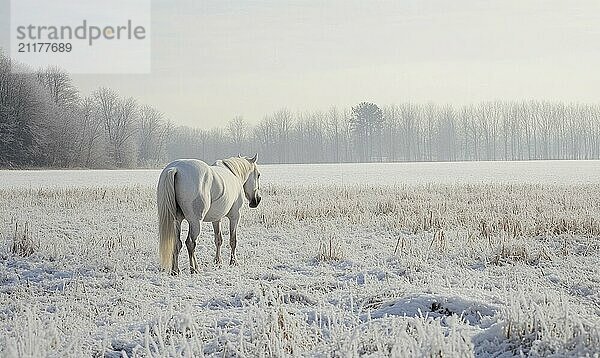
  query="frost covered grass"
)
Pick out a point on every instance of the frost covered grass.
point(405, 270)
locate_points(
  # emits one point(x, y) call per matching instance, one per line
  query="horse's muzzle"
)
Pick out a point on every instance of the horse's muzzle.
point(254, 202)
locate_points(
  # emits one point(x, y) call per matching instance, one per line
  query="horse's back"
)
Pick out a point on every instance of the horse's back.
point(190, 166)
point(201, 187)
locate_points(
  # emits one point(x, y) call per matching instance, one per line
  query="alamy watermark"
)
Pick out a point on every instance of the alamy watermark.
point(89, 36)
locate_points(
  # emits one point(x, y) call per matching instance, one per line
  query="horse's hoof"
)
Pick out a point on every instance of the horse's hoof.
point(193, 271)
point(174, 273)
point(233, 262)
point(218, 262)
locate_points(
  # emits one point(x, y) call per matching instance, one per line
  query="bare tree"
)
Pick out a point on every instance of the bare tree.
point(119, 116)
point(61, 123)
point(150, 136)
point(24, 105)
point(91, 132)
point(282, 120)
point(237, 129)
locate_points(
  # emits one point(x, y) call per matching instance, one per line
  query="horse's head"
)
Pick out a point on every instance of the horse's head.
point(252, 184)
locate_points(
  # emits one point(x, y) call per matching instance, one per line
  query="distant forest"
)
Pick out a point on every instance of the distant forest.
point(45, 122)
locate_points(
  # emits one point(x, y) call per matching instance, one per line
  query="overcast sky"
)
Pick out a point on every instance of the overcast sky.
point(213, 60)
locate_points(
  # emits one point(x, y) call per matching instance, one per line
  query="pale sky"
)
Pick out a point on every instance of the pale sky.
point(212, 60)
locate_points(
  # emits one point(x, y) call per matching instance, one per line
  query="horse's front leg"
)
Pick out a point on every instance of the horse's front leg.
point(233, 223)
point(218, 241)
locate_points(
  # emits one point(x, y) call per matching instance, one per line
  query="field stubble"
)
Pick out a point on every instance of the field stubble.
point(427, 270)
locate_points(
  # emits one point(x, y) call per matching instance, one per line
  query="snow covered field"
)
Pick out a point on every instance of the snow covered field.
point(453, 259)
point(565, 172)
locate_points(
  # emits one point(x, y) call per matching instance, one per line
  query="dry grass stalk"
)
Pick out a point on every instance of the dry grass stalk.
point(22, 244)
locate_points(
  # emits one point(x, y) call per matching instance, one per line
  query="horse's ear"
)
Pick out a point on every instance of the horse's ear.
point(239, 155)
point(254, 158)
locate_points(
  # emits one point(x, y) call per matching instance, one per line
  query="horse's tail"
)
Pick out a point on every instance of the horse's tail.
point(167, 210)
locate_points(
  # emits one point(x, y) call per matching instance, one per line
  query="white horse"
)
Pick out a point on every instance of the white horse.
point(191, 189)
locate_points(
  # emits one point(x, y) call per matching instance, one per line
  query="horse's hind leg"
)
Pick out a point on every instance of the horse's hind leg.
point(218, 241)
point(193, 233)
point(176, 249)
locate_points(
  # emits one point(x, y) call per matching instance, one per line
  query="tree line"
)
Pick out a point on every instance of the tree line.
point(45, 122)
point(408, 132)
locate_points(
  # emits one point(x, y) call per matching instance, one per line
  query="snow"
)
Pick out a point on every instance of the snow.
point(417, 275)
point(537, 172)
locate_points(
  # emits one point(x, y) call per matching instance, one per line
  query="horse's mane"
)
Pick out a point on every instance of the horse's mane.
point(238, 166)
